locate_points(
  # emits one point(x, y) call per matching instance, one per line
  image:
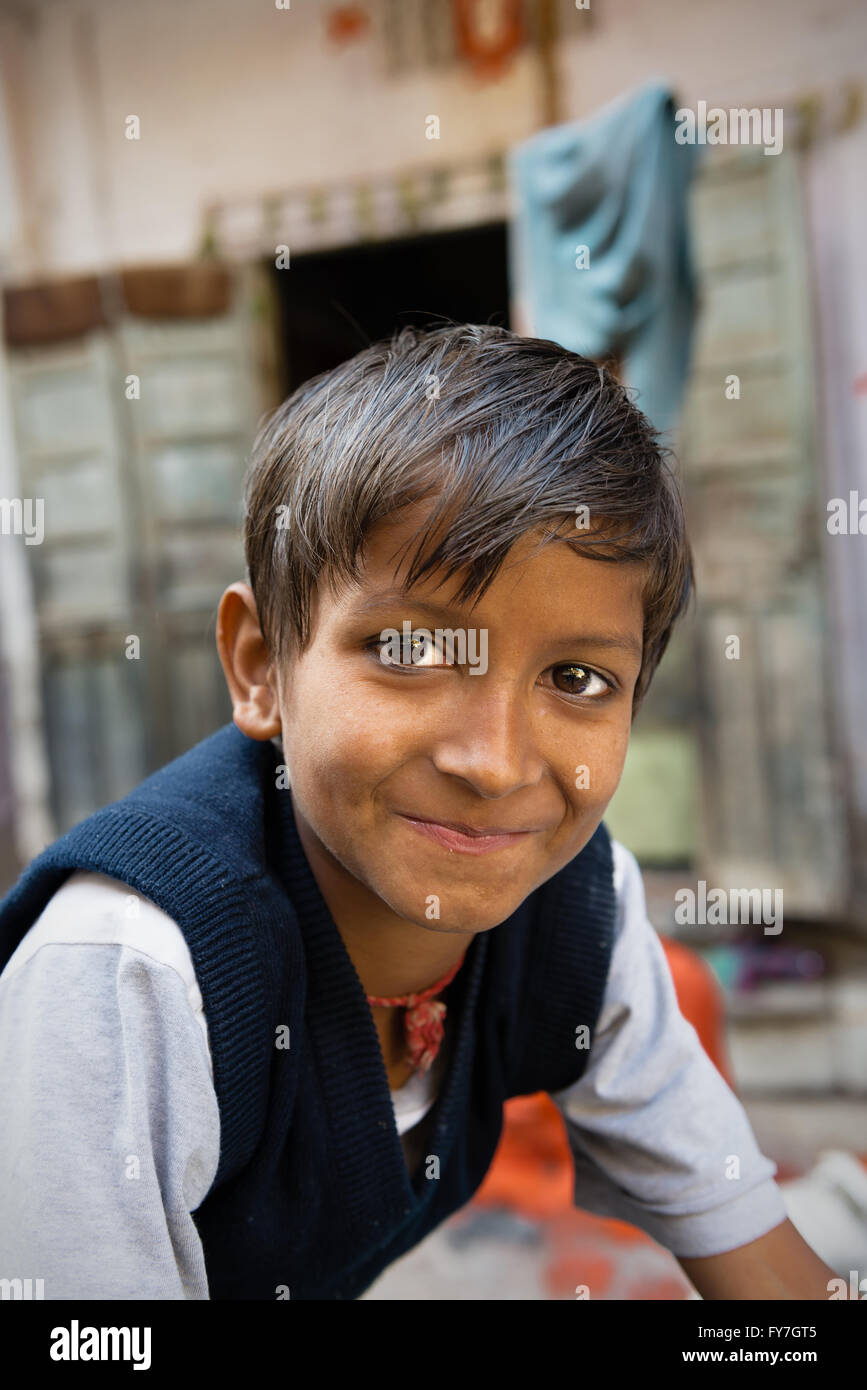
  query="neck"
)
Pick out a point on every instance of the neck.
point(392, 955)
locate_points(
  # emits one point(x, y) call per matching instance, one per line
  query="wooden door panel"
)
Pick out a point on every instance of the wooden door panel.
point(142, 490)
point(772, 816)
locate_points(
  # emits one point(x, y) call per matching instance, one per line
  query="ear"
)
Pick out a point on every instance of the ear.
point(247, 664)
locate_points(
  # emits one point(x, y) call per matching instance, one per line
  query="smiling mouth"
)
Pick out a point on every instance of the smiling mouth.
point(468, 841)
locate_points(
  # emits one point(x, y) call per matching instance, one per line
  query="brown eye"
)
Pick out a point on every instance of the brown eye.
point(578, 680)
point(416, 654)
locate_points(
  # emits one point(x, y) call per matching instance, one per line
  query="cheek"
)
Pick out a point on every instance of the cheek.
point(599, 755)
point(336, 735)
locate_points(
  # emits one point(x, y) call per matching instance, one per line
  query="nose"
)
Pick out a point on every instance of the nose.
point(490, 742)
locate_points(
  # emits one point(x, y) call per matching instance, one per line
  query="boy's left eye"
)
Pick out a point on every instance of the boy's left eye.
point(577, 675)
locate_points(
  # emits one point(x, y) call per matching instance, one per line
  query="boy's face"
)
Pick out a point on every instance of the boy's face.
point(524, 744)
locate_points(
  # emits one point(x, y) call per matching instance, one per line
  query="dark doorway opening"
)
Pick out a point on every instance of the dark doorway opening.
point(335, 302)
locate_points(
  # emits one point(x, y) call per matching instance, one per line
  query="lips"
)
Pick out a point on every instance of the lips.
point(466, 839)
point(476, 831)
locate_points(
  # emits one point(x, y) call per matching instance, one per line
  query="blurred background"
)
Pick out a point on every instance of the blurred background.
point(202, 206)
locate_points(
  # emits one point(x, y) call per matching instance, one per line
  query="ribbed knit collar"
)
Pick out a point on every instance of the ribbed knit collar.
point(340, 1026)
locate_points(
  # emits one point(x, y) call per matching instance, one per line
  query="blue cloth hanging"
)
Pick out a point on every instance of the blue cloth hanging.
point(617, 184)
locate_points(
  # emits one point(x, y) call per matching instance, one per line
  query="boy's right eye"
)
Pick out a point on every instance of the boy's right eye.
point(407, 654)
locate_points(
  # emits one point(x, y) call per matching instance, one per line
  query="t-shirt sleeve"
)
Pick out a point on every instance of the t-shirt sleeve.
point(109, 1124)
point(658, 1137)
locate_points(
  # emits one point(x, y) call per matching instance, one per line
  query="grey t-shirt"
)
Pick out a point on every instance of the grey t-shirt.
point(110, 1128)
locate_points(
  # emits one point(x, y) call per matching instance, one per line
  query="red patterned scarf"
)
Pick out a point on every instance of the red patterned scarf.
point(424, 1020)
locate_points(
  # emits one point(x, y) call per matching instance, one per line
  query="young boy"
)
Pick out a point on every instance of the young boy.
point(465, 556)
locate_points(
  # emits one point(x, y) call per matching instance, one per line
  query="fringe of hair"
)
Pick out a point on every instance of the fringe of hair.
point(505, 434)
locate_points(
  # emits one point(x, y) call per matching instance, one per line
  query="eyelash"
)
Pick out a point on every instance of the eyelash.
point(372, 647)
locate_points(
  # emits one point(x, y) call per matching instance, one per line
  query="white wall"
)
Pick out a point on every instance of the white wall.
point(763, 52)
point(237, 98)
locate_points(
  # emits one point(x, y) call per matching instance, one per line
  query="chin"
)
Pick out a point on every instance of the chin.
point(464, 918)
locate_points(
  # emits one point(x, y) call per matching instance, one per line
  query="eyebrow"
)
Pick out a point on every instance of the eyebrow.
point(382, 599)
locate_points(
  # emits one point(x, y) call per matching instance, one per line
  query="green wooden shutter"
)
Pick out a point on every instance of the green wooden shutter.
point(773, 811)
point(143, 503)
point(732, 763)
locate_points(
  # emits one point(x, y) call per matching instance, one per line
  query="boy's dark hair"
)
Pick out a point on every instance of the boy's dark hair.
point(507, 433)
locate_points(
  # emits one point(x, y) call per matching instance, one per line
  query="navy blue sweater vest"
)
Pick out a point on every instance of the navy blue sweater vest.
point(313, 1197)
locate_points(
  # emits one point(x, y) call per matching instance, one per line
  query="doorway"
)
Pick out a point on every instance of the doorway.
point(333, 303)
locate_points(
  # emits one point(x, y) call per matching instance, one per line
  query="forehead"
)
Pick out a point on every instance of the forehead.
point(551, 589)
